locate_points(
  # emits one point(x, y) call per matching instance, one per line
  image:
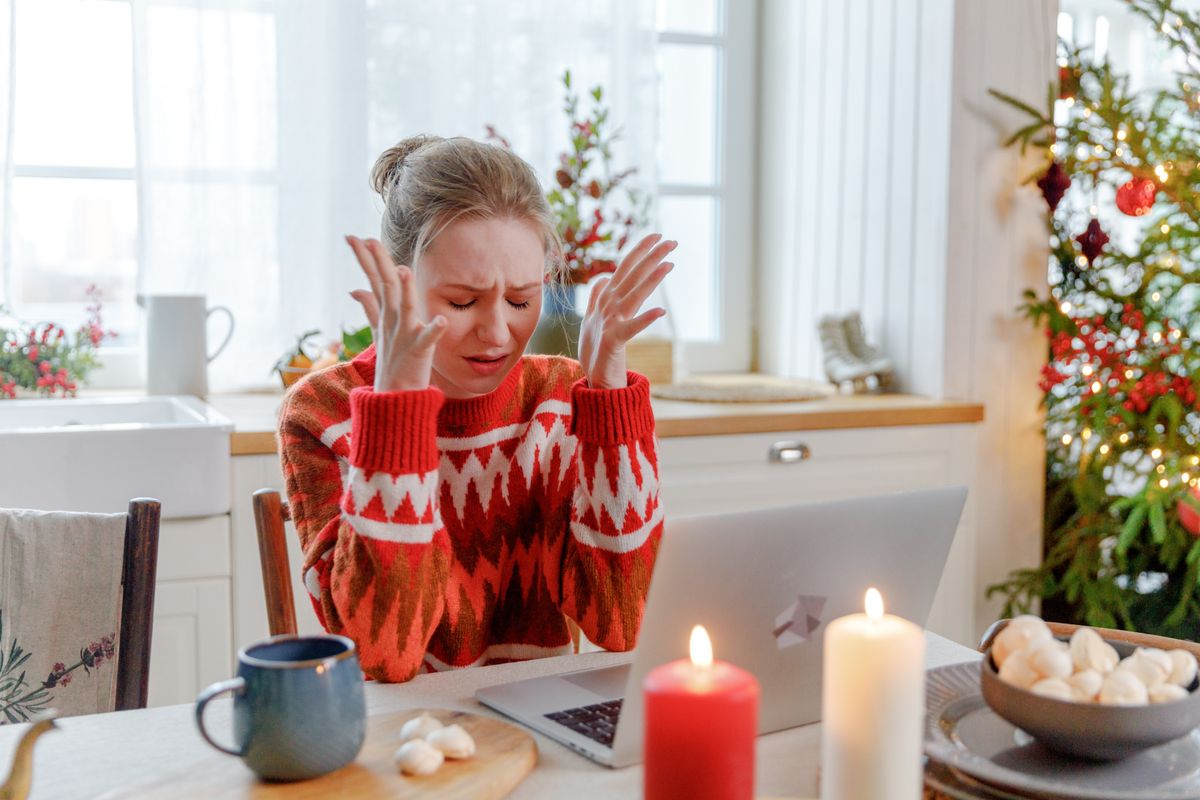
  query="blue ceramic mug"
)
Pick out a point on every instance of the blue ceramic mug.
point(298, 707)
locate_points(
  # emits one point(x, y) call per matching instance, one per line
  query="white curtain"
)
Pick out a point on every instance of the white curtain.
point(257, 123)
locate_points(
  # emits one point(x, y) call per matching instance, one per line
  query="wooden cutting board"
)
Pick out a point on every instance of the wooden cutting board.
point(504, 755)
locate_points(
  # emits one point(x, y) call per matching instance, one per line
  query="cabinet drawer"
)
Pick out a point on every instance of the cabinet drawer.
point(196, 547)
point(710, 474)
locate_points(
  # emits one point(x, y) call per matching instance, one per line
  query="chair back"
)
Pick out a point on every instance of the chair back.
point(138, 575)
point(271, 513)
point(78, 590)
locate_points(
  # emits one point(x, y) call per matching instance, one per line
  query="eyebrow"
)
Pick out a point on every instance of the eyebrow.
point(468, 287)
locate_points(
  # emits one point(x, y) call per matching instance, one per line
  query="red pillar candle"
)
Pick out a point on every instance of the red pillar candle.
point(701, 720)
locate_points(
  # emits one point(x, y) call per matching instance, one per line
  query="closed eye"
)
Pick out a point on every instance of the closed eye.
point(465, 306)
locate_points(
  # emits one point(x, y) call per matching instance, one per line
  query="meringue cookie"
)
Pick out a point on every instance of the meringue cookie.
point(1123, 688)
point(1089, 651)
point(1150, 666)
point(1183, 668)
point(419, 727)
point(1167, 693)
point(1018, 634)
point(1086, 684)
point(1018, 671)
point(453, 741)
point(1050, 658)
point(1057, 688)
point(418, 757)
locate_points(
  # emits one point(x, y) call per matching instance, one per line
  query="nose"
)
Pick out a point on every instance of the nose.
point(492, 326)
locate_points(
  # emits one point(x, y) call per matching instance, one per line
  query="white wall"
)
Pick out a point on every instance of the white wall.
point(855, 122)
point(997, 246)
point(884, 188)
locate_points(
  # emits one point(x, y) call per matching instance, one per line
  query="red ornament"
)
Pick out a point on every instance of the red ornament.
point(1189, 517)
point(1092, 240)
point(1136, 197)
point(1054, 184)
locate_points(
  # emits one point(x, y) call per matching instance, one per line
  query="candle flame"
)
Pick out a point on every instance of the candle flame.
point(701, 648)
point(874, 604)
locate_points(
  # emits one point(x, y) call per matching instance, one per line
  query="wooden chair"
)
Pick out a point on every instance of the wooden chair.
point(1066, 629)
point(271, 512)
point(138, 575)
point(139, 567)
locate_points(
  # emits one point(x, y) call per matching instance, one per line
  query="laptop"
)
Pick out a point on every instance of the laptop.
point(764, 583)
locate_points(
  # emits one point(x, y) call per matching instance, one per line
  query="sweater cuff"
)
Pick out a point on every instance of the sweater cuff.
point(612, 416)
point(394, 432)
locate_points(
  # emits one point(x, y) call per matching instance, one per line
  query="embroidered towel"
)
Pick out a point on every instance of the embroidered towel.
point(60, 610)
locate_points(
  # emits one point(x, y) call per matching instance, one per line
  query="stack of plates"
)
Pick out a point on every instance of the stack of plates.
point(973, 753)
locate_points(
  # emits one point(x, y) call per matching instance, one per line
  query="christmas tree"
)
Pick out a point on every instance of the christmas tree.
point(1122, 374)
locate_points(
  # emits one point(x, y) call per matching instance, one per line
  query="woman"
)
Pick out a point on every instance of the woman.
point(454, 497)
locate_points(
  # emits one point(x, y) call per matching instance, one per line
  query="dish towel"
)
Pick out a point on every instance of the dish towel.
point(60, 611)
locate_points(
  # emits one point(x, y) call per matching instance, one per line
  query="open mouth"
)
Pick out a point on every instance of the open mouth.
point(487, 365)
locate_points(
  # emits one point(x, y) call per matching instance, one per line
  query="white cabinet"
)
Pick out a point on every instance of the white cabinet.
point(711, 474)
point(191, 644)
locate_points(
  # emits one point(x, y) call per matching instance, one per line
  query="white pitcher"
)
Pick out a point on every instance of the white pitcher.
point(177, 342)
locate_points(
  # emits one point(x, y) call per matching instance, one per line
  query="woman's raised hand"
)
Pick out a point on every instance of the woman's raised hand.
point(403, 343)
point(612, 317)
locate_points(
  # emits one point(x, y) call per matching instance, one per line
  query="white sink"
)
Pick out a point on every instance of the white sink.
point(97, 453)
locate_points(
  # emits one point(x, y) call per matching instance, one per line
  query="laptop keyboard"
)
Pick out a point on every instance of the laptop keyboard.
point(597, 722)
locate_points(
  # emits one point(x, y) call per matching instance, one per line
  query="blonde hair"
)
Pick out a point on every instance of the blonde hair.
point(428, 182)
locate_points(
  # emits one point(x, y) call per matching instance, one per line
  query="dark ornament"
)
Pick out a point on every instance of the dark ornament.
point(1054, 184)
point(1092, 240)
point(1068, 82)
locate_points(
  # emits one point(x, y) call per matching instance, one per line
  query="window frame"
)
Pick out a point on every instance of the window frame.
point(735, 44)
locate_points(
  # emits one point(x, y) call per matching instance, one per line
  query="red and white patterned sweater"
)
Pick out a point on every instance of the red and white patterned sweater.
point(449, 533)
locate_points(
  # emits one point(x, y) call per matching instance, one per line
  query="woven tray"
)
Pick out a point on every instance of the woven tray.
point(742, 388)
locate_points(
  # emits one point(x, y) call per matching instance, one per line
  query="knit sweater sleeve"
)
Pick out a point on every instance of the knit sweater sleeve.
point(616, 519)
point(376, 554)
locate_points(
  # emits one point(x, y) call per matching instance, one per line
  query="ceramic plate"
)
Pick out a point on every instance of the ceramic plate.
point(964, 734)
point(959, 786)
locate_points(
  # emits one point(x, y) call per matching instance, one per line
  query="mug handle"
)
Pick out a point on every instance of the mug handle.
point(228, 334)
point(236, 685)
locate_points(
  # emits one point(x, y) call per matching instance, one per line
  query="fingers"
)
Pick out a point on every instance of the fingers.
point(632, 270)
point(429, 335)
point(389, 276)
point(638, 293)
point(597, 291)
point(367, 262)
point(630, 328)
point(370, 306)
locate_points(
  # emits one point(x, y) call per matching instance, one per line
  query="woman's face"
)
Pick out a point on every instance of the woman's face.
point(485, 277)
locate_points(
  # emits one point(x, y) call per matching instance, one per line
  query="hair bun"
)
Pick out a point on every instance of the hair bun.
point(387, 166)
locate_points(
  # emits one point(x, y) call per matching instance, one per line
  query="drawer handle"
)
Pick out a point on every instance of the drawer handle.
point(788, 452)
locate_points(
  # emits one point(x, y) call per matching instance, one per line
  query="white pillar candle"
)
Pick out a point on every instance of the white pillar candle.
point(872, 707)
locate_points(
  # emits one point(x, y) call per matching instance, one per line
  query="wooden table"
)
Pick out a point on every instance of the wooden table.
point(95, 756)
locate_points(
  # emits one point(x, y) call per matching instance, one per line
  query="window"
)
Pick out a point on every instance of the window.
point(143, 158)
point(705, 174)
point(74, 218)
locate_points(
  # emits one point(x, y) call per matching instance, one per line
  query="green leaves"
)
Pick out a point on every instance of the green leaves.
point(354, 342)
point(18, 702)
point(1131, 528)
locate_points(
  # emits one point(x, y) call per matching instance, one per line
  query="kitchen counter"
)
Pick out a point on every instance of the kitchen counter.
point(254, 416)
